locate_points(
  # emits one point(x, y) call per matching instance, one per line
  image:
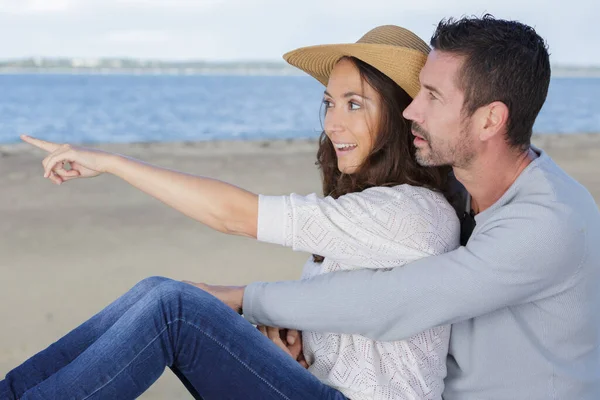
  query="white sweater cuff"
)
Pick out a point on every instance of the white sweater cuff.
point(271, 219)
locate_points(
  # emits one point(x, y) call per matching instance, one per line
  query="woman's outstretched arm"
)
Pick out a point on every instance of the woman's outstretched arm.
point(219, 205)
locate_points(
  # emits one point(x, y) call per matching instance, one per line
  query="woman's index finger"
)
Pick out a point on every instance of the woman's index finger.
point(41, 144)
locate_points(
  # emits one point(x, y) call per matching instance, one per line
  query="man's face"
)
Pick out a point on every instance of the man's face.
point(443, 136)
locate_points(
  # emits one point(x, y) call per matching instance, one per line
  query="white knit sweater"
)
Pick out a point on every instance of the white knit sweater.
point(377, 228)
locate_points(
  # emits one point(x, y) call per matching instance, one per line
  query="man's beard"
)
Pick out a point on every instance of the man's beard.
point(442, 153)
point(424, 158)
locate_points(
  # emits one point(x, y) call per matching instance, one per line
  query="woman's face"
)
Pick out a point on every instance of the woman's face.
point(352, 111)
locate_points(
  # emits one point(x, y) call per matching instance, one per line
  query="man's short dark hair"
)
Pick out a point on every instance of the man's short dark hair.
point(505, 61)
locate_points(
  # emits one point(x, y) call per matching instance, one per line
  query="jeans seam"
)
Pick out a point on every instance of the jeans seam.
point(208, 336)
point(240, 361)
point(129, 363)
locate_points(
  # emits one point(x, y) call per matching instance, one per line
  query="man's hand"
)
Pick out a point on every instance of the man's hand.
point(289, 340)
point(233, 296)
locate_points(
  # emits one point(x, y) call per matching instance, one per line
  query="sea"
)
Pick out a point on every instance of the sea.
point(110, 108)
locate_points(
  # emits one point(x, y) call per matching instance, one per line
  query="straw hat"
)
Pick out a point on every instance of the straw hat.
point(395, 51)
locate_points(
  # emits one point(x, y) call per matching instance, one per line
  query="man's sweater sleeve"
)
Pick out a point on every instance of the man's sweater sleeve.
point(521, 254)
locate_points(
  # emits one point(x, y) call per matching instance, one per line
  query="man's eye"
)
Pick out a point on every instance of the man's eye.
point(326, 103)
point(432, 96)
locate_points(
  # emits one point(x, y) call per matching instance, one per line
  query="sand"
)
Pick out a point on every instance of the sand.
point(69, 250)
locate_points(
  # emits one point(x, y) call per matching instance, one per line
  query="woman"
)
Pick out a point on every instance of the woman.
point(382, 210)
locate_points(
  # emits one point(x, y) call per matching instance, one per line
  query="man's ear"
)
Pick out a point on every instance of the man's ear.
point(493, 119)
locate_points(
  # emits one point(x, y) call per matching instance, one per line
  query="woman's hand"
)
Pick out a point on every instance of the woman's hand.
point(84, 163)
point(288, 340)
point(233, 296)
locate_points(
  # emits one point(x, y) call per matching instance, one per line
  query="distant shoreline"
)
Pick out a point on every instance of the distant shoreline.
point(144, 72)
point(135, 72)
point(111, 66)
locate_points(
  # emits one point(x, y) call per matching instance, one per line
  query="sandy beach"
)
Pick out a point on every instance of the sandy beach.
point(67, 251)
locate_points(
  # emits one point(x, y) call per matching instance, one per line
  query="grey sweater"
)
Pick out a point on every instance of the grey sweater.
point(522, 296)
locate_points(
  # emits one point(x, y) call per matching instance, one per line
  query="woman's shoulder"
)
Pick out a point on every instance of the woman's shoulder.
point(397, 201)
point(408, 195)
point(425, 213)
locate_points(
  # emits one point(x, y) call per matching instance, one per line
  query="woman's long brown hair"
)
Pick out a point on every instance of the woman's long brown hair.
point(392, 160)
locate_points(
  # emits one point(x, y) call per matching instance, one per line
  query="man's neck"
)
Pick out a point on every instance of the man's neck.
point(488, 178)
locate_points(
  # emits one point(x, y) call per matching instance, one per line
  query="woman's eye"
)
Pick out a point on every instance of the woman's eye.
point(326, 103)
point(354, 106)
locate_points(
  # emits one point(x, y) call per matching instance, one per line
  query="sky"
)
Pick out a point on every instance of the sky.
point(228, 30)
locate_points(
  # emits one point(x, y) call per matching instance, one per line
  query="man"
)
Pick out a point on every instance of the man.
point(523, 294)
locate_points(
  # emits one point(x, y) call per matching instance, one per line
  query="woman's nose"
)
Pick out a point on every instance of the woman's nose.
point(333, 121)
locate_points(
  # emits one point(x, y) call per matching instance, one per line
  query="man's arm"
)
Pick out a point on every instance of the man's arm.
point(522, 254)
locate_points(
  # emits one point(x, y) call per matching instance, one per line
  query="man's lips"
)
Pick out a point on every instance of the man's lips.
point(415, 134)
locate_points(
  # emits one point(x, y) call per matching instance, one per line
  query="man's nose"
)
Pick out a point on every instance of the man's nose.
point(412, 112)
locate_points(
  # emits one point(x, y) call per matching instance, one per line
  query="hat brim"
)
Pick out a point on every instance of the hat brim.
point(400, 64)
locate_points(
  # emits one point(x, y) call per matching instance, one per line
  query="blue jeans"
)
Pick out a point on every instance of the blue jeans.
point(121, 351)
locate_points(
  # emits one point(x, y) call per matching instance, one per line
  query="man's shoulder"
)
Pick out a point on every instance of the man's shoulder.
point(548, 185)
point(548, 204)
point(561, 213)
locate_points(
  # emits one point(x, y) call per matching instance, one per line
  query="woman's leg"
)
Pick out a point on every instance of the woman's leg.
point(47, 362)
point(176, 324)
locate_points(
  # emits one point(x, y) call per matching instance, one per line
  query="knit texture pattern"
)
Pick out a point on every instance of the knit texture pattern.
point(379, 228)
